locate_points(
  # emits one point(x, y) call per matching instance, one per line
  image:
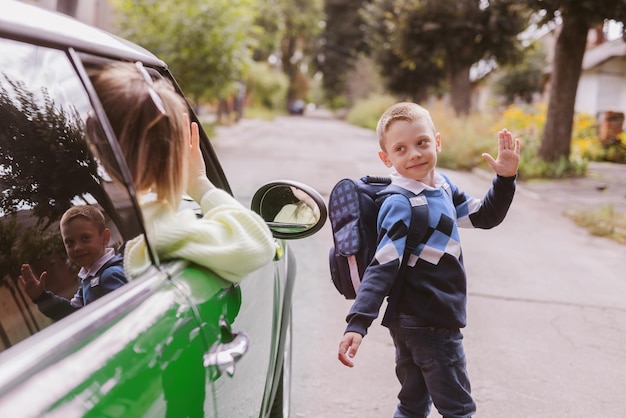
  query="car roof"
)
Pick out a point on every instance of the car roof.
point(33, 24)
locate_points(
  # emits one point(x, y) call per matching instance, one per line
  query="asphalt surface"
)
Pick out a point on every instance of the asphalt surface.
point(546, 334)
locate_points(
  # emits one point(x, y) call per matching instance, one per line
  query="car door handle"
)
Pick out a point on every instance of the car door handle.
point(223, 355)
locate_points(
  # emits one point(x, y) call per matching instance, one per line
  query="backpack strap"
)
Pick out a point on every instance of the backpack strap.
point(116, 260)
point(416, 233)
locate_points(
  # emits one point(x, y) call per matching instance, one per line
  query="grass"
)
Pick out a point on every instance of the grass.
point(602, 222)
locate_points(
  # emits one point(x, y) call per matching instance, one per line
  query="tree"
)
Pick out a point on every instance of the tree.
point(577, 17)
point(302, 20)
point(453, 35)
point(410, 79)
point(268, 29)
point(341, 42)
point(39, 135)
point(205, 43)
point(522, 81)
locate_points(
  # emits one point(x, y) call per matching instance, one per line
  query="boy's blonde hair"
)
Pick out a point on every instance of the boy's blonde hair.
point(406, 111)
point(91, 213)
point(152, 142)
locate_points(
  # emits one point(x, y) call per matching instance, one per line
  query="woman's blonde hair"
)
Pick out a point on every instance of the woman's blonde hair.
point(406, 111)
point(147, 118)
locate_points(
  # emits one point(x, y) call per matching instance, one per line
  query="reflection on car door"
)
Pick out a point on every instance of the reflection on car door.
point(138, 352)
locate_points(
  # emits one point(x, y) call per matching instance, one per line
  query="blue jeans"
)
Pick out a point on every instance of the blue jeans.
point(430, 364)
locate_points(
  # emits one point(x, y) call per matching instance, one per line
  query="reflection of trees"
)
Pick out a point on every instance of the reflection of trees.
point(44, 158)
point(45, 162)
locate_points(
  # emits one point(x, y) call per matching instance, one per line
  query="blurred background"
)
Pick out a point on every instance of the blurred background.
point(551, 71)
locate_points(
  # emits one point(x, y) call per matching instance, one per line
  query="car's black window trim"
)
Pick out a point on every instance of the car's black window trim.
point(77, 63)
point(215, 171)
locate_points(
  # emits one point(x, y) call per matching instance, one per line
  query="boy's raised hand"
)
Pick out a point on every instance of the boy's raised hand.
point(348, 347)
point(507, 162)
point(34, 287)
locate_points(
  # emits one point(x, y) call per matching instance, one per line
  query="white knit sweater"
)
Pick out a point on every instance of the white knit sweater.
point(229, 239)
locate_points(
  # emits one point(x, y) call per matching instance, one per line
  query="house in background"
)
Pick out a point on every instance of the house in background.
point(602, 84)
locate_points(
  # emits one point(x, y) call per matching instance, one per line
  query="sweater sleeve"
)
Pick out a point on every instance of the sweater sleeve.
point(229, 239)
point(488, 212)
point(393, 224)
point(53, 306)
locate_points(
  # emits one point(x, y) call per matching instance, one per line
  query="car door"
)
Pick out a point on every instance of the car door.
point(137, 351)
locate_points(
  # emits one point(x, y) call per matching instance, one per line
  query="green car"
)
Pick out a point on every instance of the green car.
point(177, 342)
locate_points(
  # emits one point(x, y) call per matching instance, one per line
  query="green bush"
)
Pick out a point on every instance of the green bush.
point(267, 87)
point(603, 222)
point(463, 138)
point(365, 113)
point(527, 123)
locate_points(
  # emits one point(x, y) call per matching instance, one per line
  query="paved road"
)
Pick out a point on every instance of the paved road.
point(547, 308)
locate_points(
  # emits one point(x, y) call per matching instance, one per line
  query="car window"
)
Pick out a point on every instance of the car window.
point(47, 165)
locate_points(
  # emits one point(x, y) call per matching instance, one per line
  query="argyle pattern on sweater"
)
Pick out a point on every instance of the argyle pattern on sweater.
point(434, 289)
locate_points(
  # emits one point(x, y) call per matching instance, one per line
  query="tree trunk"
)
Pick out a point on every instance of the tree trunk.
point(460, 89)
point(568, 58)
point(289, 67)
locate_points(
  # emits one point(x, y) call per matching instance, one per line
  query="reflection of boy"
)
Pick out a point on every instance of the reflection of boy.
point(85, 238)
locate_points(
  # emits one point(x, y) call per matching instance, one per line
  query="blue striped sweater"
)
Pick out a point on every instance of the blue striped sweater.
point(434, 287)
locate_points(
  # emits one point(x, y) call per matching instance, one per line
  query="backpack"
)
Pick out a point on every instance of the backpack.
point(353, 207)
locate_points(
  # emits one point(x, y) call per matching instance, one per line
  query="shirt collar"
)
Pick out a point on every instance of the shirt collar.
point(415, 186)
point(109, 253)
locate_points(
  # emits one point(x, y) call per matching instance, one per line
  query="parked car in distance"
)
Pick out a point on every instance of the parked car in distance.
point(179, 341)
point(297, 107)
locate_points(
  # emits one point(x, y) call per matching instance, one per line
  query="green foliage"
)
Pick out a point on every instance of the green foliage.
point(365, 113)
point(603, 222)
point(40, 133)
point(585, 142)
point(302, 22)
point(17, 245)
point(463, 138)
point(527, 123)
point(206, 44)
point(338, 102)
point(433, 38)
point(522, 80)
point(342, 41)
point(267, 87)
point(271, 26)
point(414, 77)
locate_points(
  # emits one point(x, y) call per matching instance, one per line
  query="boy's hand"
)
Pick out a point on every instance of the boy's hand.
point(348, 347)
point(507, 162)
point(34, 287)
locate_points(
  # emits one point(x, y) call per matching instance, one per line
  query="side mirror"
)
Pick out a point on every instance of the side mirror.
point(292, 210)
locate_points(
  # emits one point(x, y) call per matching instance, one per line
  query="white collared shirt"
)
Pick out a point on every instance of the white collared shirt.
point(108, 254)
